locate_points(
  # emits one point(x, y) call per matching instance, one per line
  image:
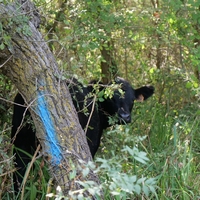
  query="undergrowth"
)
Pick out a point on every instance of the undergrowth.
point(155, 157)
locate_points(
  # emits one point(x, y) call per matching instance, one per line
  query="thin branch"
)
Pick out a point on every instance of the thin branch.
point(91, 113)
point(6, 61)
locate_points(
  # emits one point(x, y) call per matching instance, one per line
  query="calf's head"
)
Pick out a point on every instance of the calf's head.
point(121, 103)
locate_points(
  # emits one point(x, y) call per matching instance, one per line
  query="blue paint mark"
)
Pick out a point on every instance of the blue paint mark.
point(51, 140)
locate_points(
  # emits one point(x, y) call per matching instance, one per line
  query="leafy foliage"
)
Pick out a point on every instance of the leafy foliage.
point(157, 45)
point(115, 183)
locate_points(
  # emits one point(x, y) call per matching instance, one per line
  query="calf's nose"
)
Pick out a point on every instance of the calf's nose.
point(126, 117)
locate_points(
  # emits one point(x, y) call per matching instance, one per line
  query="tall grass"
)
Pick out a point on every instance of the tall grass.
point(168, 134)
point(178, 161)
point(171, 143)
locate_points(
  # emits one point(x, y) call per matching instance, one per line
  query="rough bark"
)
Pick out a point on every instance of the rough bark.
point(30, 65)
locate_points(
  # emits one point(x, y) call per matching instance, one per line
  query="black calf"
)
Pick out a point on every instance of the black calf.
point(24, 139)
point(119, 105)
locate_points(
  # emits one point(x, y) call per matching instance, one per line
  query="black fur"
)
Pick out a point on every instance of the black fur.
point(119, 105)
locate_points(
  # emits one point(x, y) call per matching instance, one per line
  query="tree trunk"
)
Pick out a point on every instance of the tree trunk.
point(108, 65)
point(28, 62)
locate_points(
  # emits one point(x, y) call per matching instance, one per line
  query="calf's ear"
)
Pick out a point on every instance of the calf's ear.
point(144, 93)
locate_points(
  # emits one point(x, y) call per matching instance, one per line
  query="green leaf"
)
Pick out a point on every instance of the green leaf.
point(137, 189)
point(141, 180)
point(101, 99)
point(140, 159)
point(145, 190)
point(72, 174)
point(85, 171)
point(188, 85)
point(2, 46)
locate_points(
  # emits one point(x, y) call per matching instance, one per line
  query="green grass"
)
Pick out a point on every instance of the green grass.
point(172, 145)
point(170, 139)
